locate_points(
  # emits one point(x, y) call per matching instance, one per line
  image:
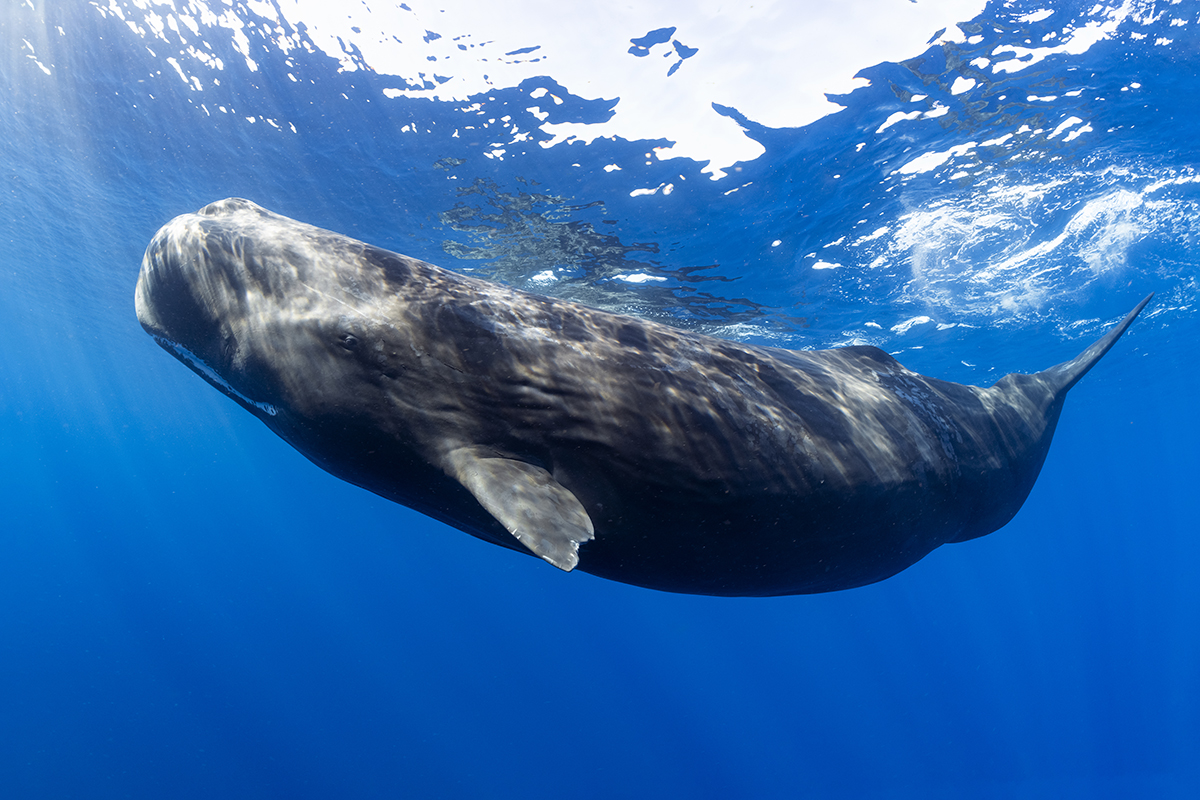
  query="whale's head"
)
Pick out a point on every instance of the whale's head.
point(268, 310)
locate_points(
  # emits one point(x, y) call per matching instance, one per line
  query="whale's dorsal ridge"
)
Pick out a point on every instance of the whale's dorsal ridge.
point(539, 511)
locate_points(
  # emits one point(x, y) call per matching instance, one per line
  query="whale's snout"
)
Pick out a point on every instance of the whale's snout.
point(173, 297)
point(194, 295)
point(149, 290)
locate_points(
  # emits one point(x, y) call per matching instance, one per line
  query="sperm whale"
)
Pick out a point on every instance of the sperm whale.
point(595, 441)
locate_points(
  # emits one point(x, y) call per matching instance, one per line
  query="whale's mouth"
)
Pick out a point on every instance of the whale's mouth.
point(198, 365)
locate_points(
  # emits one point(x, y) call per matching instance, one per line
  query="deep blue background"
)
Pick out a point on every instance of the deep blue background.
point(188, 608)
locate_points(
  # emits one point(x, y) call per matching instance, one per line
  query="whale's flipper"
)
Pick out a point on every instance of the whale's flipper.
point(535, 508)
point(1068, 373)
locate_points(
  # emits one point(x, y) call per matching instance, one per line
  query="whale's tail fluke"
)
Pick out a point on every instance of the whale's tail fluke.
point(1068, 373)
point(1026, 408)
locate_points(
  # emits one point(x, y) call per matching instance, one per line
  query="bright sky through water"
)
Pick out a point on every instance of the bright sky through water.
point(763, 59)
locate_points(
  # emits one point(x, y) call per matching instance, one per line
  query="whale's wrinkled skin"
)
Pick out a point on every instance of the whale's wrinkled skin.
point(623, 447)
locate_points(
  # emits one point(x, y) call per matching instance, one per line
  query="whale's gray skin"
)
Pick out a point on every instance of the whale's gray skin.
point(630, 449)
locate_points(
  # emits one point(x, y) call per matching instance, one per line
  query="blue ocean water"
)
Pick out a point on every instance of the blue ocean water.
point(189, 608)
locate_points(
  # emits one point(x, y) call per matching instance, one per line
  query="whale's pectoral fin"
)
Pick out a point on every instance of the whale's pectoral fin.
point(535, 508)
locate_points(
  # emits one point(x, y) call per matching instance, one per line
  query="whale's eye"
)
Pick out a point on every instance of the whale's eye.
point(349, 341)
